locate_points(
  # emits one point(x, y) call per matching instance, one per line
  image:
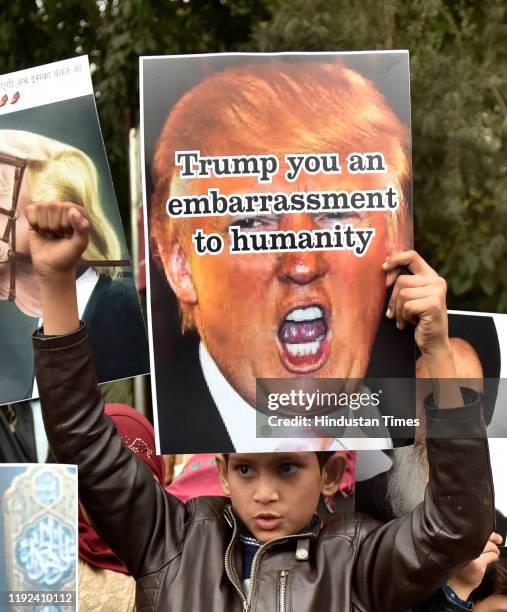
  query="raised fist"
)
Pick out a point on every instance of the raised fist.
point(60, 232)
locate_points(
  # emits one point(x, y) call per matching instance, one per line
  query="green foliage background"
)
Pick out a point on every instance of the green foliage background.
point(458, 54)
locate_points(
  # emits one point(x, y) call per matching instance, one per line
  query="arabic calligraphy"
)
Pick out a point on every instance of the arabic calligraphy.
point(46, 552)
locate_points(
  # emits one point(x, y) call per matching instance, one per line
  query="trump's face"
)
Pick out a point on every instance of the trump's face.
point(283, 315)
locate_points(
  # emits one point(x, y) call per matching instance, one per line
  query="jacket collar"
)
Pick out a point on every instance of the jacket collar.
point(302, 540)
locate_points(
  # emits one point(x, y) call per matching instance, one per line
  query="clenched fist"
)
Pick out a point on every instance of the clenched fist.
point(60, 232)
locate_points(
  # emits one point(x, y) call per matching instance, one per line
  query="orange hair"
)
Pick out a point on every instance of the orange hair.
point(276, 108)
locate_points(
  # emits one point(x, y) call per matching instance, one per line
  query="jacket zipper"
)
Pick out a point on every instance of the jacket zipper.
point(227, 563)
point(282, 590)
point(255, 561)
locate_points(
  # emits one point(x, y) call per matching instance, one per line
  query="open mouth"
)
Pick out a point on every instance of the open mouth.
point(268, 521)
point(304, 338)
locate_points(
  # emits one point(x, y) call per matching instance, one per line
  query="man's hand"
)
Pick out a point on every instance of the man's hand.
point(418, 298)
point(59, 237)
point(470, 576)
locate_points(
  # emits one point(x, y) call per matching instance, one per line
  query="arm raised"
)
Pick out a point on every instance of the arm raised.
point(401, 563)
point(142, 524)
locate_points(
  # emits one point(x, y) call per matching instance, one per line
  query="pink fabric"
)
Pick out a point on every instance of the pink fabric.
point(137, 434)
point(347, 483)
point(198, 477)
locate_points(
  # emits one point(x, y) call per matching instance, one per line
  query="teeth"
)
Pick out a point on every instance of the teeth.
point(304, 348)
point(305, 314)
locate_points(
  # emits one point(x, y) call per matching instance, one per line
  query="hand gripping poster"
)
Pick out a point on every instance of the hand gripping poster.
point(51, 148)
point(276, 185)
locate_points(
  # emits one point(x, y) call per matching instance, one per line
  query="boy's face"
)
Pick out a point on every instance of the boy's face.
point(274, 494)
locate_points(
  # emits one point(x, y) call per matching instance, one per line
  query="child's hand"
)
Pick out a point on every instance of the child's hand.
point(59, 237)
point(418, 298)
point(470, 576)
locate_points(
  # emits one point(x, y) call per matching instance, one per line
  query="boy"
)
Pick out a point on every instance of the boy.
point(189, 557)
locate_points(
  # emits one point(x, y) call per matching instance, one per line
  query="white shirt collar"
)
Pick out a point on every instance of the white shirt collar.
point(240, 421)
point(85, 284)
point(238, 416)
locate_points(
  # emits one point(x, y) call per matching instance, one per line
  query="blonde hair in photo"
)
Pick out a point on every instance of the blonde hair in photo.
point(57, 171)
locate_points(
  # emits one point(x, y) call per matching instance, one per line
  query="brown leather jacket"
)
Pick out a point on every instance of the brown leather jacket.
point(186, 557)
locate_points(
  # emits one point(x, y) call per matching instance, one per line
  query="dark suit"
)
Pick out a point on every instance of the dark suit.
point(189, 420)
point(117, 330)
point(117, 333)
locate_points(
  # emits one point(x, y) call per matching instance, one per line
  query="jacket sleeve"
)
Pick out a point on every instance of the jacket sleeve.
point(401, 563)
point(143, 525)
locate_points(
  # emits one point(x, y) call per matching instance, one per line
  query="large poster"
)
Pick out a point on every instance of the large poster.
point(276, 185)
point(51, 148)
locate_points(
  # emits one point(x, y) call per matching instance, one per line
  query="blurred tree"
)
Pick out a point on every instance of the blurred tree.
point(459, 120)
point(459, 93)
point(114, 34)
